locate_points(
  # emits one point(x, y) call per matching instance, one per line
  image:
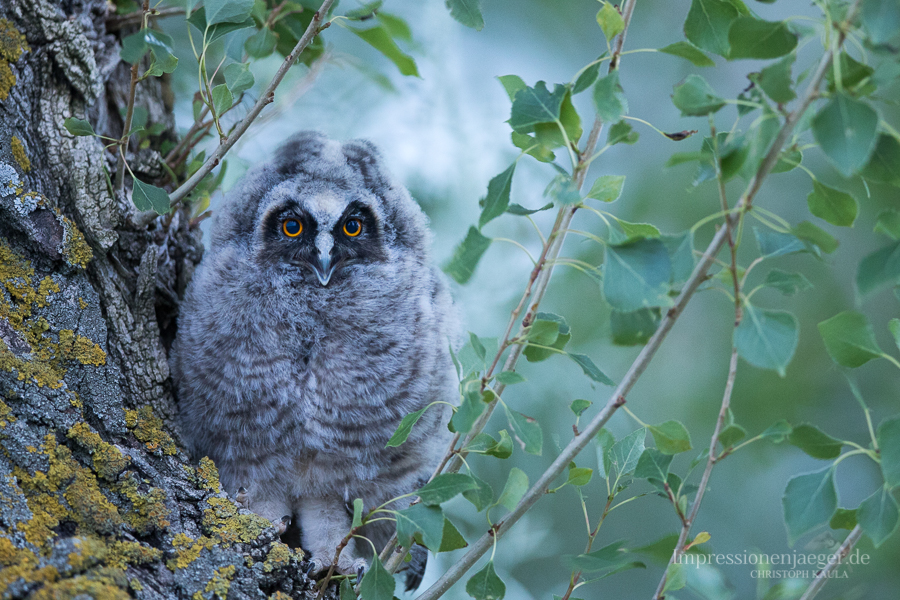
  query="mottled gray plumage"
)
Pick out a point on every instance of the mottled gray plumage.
point(293, 386)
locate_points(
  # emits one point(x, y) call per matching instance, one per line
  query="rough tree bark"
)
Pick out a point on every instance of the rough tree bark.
point(96, 495)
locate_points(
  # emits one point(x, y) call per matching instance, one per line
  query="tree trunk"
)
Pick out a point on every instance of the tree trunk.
point(96, 495)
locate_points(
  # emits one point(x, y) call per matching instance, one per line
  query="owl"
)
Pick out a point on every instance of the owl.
point(313, 325)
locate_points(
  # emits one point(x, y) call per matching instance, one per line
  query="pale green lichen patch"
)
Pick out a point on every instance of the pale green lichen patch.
point(74, 248)
point(18, 152)
point(208, 475)
point(220, 582)
point(148, 428)
point(12, 44)
point(108, 461)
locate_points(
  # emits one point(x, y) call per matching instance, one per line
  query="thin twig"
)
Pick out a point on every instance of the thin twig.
point(836, 559)
point(266, 98)
point(129, 115)
point(116, 22)
point(617, 399)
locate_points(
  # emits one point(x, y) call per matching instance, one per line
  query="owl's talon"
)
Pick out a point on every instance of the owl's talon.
point(360, 571)
point(282, 525)
point(242, 498)
point(315, 565)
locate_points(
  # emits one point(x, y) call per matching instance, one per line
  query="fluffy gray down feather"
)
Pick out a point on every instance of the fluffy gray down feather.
point(293, 386)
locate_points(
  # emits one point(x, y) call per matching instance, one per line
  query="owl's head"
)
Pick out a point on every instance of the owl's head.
point(323, 210)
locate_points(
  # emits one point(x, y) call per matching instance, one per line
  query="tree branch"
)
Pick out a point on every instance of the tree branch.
point(268, 95)
point(617, 399)
point(822, 576)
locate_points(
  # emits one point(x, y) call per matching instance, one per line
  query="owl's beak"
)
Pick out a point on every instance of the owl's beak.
point(324, 269)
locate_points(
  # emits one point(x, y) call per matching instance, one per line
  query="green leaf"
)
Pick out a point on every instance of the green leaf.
point(878, 516)
point(261, 44)
point(227, 11)
point(452, 539)
point(634, 328)
point(894, 327)
point(775, 80)
point(512, 84)
point(497, 200)
point(536, 105)
point(889, 446)
point(238, 78)
point(694, 97)
point(527, 431)
point(843, 519)
point(708, 22)
point(809, 501)
point(749, 37)
point(845, 129)
point(605, 441)
point(380, 39)
point(221, 98)
point(777, 432)
point(837, 207)
point(198, 20)
point(622, 133)
point(377, 583)
point(78, 127)
point(466, 256)
point(609, 99)
point(515, 488)
point(627, 232)
point(590, 369)
point(787, 283)
point(346, 590)
point(367, 10)
point(445, 487)
point(767, 338)
point(816, 237)
point(510, 378)
point(550, 135)
point(681, 252)
point(405, 428)
point(731, 435)
point(531, 147)
point(676, 578)
point(481, 496)
point(625, 454)
point(587, 77)
point(849, 339)
point(671, 437)
point(162, 63)
point(150, 197)
point(419, 518)
point(485, 585)
point(610, 21)
point(579, 406)
point(855, 77)
point(563, 190)
point(469, 409)
point(815, 442)
point(653, 464)
point(884, 164)
point(889, 224)
point(501, 449)
point(636, 275)
point(690, 52)
point(466, 12)
point(579, 476)
point(879, 269)
point(134, 47)
point(612, 557)
point(774, 243)
point(607, 188)
point(358, 507)
point(881, 19)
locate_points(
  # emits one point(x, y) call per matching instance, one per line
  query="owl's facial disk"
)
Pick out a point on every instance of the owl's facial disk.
point(322, 244)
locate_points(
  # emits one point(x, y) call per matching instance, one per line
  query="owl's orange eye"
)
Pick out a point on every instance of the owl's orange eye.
point(353, 227)
point(292, 227)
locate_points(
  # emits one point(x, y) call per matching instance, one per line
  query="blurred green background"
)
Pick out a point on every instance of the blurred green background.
point(444, 135)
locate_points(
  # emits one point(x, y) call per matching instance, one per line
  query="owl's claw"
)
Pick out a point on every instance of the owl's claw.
point(315, 565)
point(360, 571)
point(282, 525)
point(242, 498)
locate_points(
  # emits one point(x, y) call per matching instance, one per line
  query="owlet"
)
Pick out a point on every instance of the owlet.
point(313, 325)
